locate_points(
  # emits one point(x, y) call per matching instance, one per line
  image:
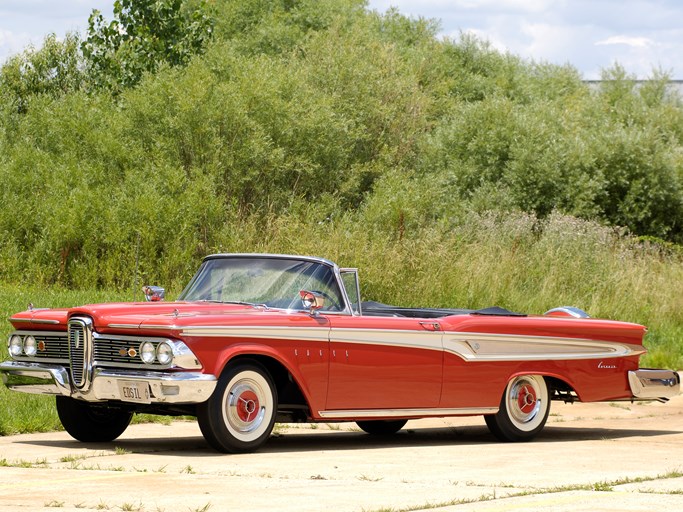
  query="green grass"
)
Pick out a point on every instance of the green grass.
point(511, 261)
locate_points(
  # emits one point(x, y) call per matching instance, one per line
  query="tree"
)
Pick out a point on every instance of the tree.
point(142, 35)
point(53, 70)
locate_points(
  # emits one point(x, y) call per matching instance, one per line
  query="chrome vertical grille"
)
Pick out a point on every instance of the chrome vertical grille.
point(80, 350)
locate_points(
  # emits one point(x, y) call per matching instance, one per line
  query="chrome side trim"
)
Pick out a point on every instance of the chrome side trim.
point(277, 332)
point(471, 347)
point(507, 347)
point(127, 337)
point(407, 413)
point(168, 327)
point(647, 383)
point(42, 321)
point(426, 340)
point(475, 347)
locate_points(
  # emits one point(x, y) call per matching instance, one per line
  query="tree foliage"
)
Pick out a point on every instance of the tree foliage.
point(230, 121)
point(143, 35)
point(54, 69)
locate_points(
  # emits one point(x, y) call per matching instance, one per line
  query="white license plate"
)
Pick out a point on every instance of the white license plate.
point(133, 391)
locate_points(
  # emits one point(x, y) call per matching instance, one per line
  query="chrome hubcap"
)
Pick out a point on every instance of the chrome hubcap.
point(244, 409)
point(524, 401)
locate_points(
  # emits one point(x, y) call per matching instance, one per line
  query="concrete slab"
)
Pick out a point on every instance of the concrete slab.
point(589, 457)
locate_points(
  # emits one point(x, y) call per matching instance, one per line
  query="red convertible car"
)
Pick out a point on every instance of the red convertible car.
point(256, 339)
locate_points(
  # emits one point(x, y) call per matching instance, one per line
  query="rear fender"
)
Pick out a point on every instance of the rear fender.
point(546, 375)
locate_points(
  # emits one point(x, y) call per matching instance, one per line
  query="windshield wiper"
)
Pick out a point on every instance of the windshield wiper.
point(238, 302)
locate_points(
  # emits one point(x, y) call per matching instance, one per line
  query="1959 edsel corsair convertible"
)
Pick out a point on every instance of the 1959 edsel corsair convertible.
point(255, 339)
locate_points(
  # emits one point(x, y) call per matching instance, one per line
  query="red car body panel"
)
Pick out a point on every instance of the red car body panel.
point(334, 363)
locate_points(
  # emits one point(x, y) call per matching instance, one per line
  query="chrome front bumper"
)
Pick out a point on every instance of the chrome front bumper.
point(654, 384)
point(164, 387)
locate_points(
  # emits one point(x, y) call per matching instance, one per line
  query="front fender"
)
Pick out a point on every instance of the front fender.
point(313, 385)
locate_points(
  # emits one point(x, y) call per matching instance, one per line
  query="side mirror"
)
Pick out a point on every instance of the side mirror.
point(154, 293)
point(312, 301)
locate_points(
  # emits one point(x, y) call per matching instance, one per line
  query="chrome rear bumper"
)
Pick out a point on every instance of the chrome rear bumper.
point(164, 387)
point(654, 384)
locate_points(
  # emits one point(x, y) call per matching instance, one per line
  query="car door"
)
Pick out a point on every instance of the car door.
point(384, 363)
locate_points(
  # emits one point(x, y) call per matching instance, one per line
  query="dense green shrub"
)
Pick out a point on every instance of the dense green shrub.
point(451, 173)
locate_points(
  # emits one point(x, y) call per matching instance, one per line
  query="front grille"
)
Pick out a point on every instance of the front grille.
point(115, 351)
point(118, 351)
point(55, 346)
point(52, 347)
point(80, 350)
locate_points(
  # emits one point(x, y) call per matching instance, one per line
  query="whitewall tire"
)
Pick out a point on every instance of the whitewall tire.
point(240, 414)
point(523, 410)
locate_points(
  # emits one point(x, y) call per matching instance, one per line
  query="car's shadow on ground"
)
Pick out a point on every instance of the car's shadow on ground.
point(470, 435)
point(351, 440)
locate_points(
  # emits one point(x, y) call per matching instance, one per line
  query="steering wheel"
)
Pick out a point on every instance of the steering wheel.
point(337, 306)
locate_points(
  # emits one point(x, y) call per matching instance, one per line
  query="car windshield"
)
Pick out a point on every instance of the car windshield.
point(273, 282)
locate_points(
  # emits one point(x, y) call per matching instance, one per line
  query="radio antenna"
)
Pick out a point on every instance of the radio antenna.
point(137, 261)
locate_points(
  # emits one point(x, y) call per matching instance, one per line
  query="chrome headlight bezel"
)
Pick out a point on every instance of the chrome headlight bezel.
point(15, 345)
point(164, 353)
point(148, 352)
point(30, 346)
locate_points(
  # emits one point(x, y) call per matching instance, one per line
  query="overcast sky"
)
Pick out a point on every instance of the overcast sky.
point(588, 34)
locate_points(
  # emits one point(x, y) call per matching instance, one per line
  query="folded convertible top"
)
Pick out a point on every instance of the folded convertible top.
point(372, 308)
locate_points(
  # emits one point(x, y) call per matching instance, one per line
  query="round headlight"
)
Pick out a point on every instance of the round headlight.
point(164, 353)
point(30, 346)
point(15, 345)
point(147, 352)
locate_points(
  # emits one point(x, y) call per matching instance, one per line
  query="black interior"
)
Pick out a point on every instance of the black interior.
point(371, 308)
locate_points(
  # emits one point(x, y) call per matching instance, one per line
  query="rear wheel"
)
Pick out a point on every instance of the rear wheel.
point(523, 411)
point(91, 423)
point(381, 427)
point(240, 414)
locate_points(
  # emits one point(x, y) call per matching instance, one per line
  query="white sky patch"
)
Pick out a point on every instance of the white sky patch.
point(495, 43)
point(27, 22)
point(591, 35)
point(12, 43)
point(640, 35)
point(417, 6)
point(549, 42)
point(638, 42)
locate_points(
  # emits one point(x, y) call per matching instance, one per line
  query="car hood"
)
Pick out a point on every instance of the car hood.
point(142, 315)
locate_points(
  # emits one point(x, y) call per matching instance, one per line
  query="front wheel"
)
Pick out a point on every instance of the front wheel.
point(91, 423)
point(523, 411)
point(240, 414)
point(381, 427)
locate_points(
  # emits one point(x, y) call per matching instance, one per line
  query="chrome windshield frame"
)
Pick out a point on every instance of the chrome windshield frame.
point(346, 310)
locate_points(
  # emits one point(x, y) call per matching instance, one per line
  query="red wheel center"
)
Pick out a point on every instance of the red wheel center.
point(247, 406)
point(526, 399)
